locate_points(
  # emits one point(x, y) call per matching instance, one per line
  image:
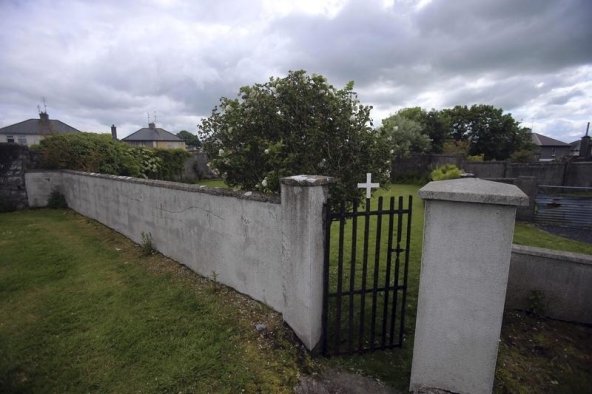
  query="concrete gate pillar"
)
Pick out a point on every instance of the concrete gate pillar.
point(468, 230)
point(303, 198)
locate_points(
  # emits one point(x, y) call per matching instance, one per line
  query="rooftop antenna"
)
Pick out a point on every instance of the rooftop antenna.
point(38, 108)
point(148, 114)
point(154, 117)
point(44, 105)
point(587, 128)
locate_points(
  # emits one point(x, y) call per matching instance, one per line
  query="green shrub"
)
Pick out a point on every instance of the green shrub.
point(480, 157)
point(172, 162)
point(147, 245)
point(448, 171)
point(88, 152)
point(295, 125)
point(92, 152)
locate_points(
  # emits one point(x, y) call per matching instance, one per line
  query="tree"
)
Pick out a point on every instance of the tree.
point(189, 138)
point(299, 124)
point(489, 131)
point(431, 123)
point(405, 135)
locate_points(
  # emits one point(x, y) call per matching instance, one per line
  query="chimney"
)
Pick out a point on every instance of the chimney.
point(151, 125)
point(585, 145)
point(44, 117)
point(113, 132)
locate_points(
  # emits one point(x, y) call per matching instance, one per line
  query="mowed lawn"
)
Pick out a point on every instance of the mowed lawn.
point(84, 311)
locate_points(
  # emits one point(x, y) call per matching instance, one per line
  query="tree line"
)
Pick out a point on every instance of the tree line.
point(479, 130)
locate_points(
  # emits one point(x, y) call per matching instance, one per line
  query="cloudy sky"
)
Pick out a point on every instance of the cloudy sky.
point(104, 62)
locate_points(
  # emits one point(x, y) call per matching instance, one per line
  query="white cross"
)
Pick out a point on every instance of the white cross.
point(368, 185)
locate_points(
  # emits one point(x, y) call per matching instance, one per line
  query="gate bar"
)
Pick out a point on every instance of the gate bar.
point(352, 275)
point(407, 246)
point(375, 281)
point(387, 280)
point(364, 273)
point(339, 276)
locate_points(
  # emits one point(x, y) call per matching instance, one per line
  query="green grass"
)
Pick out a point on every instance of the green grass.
point(212, 183)
point(83, 311)
point(89, 312)
point(529, 234)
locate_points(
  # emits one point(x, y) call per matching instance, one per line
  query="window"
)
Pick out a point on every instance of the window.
point(22, 140)
point(10, 138)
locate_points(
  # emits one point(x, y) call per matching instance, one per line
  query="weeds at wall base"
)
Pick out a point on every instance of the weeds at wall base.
point(147, 244)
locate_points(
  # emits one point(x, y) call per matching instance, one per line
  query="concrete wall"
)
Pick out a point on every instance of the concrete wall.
point(250, 242)
point(545, 173)
point(485, 170)
point(579, 174)
point(554, 174)
point(564, 279)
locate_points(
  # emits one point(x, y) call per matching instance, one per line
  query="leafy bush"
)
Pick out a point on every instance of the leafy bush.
point(171, 163)
point(147, 245)
point(92, 152)
point(88, 152)
point(448, 171)
point(480, 157)
point(295, 125)
point(523, 156)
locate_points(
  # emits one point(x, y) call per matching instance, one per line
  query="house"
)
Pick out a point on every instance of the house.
point(154, 137)
point(32, 131)
point(548, 148)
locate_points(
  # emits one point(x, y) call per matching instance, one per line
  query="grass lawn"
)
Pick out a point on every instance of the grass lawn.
point(86, 311)
point(83, 311)
point(529, 234)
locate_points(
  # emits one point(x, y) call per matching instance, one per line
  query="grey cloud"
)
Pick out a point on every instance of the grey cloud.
point(111, 62)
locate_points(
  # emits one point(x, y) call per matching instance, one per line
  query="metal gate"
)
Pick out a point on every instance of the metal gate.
point(365, 277)
point(564, 206)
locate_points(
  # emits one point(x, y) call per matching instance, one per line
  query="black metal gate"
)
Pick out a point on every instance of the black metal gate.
point(365, 278)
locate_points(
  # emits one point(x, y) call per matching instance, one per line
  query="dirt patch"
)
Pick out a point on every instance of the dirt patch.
point(334, 381)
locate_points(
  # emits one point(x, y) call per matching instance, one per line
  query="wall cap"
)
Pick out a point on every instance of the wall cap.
point(189, 187)
point(474, 190)
point(553, 254)
point(307, 180)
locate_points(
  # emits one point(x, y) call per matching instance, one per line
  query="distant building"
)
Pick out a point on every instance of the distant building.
point(575, 148)
point(32, 131)
point(154, 137)
point(548, 148)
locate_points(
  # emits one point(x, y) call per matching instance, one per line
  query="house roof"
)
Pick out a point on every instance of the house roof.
point(152, 134)
point(38, 126)
point(543, 140)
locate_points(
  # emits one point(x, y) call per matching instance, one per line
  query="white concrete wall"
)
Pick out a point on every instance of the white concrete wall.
point(240, 237)
point(563, 278)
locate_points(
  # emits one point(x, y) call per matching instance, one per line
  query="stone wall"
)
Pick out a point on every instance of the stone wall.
point(269, 249)
point(14, 161)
